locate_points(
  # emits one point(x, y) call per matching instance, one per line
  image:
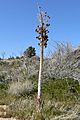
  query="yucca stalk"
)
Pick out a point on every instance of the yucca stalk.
point(42, 30)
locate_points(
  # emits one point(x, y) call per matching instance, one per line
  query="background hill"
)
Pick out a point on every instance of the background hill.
point(64, 63)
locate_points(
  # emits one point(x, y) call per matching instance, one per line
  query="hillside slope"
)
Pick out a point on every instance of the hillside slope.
point(60, 94)
point(58, 67)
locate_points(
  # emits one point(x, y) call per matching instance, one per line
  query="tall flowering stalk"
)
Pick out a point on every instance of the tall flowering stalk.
point(42, 30)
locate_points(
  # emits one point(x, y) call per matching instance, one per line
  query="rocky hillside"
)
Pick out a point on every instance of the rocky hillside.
point(18, 69)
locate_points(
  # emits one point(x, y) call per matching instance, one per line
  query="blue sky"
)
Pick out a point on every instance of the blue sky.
point(18, 22)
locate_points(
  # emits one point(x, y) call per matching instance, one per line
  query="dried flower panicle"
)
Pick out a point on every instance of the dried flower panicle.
point(42, 28)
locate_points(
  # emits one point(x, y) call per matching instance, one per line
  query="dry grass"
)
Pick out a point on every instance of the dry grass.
point(19, 88)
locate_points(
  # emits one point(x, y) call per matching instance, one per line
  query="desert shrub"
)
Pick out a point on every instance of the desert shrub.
point(34, 78)
point(2, 78)
point(3, 62)
point(26, 109)
point(23, 108)
point(3, 92)
point(20, 88)
point(3, 86)
point(61, 89)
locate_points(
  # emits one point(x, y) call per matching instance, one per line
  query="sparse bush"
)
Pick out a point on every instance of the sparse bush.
point(23, 108)
point(3, 86)
point(19, 88)
point(3, 93)
point(63, 63)
point(2, 78)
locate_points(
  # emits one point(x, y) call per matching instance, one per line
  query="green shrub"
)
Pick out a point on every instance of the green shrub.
point(2, 78)
point(61, 90)
point(3, 86)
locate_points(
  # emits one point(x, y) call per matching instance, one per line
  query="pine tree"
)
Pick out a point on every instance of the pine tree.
point(30, 52)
